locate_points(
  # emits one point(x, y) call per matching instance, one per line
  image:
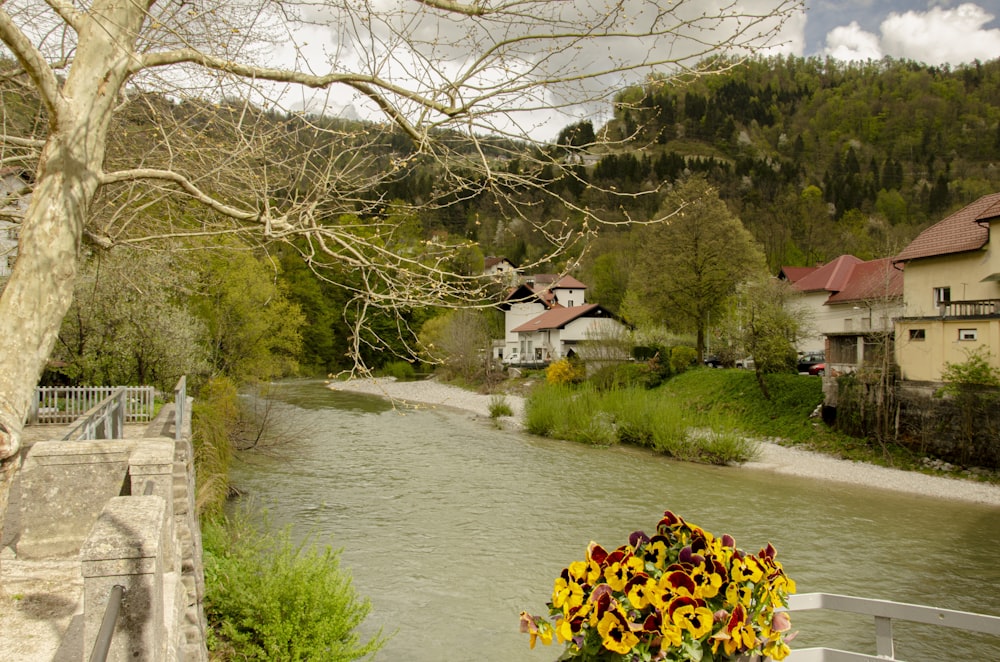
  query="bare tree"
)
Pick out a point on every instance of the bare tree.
point(433, 69)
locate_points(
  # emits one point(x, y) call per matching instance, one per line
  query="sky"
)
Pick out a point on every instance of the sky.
point(929, 31)
point(934, 32)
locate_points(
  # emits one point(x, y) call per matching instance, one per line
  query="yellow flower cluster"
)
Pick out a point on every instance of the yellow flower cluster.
point(680, 594)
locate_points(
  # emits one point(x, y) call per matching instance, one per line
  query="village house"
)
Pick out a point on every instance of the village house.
point(547, 317)
point(849, 305)
point(951, 293)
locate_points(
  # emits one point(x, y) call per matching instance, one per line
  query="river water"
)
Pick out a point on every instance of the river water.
point(452, 527)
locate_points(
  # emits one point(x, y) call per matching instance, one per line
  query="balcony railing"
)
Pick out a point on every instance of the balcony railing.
point(884, 612)
point(972, 308)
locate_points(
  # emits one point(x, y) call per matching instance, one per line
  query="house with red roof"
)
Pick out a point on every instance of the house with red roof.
point(951, 293)
point(561, 332)
point(547, 316)
point(849, 305)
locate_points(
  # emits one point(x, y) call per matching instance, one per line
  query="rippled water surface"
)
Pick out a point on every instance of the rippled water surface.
point(452, 527)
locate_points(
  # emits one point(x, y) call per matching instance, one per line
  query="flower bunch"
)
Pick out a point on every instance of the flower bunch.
point(679, 595)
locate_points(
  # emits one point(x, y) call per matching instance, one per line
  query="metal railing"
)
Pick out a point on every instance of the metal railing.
point(102, 644)
point(105, 420)
point(65, 404)
point(883, 611)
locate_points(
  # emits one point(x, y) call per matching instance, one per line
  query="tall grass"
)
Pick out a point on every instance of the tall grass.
point(635, 416)
point(213, 422)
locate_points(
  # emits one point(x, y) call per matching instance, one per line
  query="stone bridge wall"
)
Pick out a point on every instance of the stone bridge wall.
point(125, 509)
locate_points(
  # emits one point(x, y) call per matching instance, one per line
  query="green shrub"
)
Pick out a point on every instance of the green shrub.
point(401, 370)
point(682, 358)
point(500, 407)
point(542, 410)
point(622, 375)
point(268, 598)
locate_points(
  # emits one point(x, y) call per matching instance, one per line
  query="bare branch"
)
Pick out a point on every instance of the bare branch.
point(31, 59)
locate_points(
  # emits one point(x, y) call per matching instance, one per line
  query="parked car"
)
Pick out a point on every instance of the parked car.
point(746, 362)
point(511, 359)
point(807, 361)
point(713, 361)
point(818, 369)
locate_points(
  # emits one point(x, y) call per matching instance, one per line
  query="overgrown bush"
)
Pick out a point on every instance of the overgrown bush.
point(268, 598)
point(401, 370)
point(682, 358)
point(622, 375)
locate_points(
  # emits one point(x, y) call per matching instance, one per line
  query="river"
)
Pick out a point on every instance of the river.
point(452, 527)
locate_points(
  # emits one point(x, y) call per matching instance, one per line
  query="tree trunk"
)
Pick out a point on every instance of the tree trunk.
point(40, 289)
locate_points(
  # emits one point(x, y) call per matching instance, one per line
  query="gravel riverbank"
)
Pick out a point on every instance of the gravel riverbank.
point(773, 457)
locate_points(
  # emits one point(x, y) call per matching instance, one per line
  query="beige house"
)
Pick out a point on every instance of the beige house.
point(951, 293)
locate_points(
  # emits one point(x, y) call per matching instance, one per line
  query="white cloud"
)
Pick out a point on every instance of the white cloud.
point(852, 43)
point(941, 35)
point(936, 36)
point(423, 50)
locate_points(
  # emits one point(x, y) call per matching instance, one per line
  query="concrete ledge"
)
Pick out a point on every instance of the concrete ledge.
point(64, 485)
point(125, 548)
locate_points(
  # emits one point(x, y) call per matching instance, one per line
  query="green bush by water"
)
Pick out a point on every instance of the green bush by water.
point(401, 370)
point(268, 598)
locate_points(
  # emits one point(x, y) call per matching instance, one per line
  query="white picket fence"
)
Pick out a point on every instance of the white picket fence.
point(65, 404)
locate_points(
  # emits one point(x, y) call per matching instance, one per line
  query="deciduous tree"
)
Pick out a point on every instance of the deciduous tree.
point(688, 267)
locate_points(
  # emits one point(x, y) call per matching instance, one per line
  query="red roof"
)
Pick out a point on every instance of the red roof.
point(557, 318)
point(962, 231)
point(831, 277)
point(795, 274)
point(875, 279)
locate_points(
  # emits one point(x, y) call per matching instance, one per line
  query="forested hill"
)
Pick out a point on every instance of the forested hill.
point(818, 157)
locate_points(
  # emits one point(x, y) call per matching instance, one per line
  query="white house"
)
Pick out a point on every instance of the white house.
point(547, 316)
point(560, 332)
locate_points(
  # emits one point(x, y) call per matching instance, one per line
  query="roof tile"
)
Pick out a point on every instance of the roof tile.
point(957, 233)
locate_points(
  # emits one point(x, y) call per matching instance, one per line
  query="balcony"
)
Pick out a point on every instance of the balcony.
point(967, 309)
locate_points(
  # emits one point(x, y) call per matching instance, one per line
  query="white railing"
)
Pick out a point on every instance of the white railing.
point(65, 404)
point(883, 611)
point(180, 407)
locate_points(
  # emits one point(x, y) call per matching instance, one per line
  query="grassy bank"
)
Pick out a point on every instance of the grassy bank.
point(701, 415)
point(784, 419)
point(639, 417)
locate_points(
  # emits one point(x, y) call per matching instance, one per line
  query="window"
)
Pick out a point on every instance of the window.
point(942, 295)
point(918, 334)
point(968, 334)
point(570, 302)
